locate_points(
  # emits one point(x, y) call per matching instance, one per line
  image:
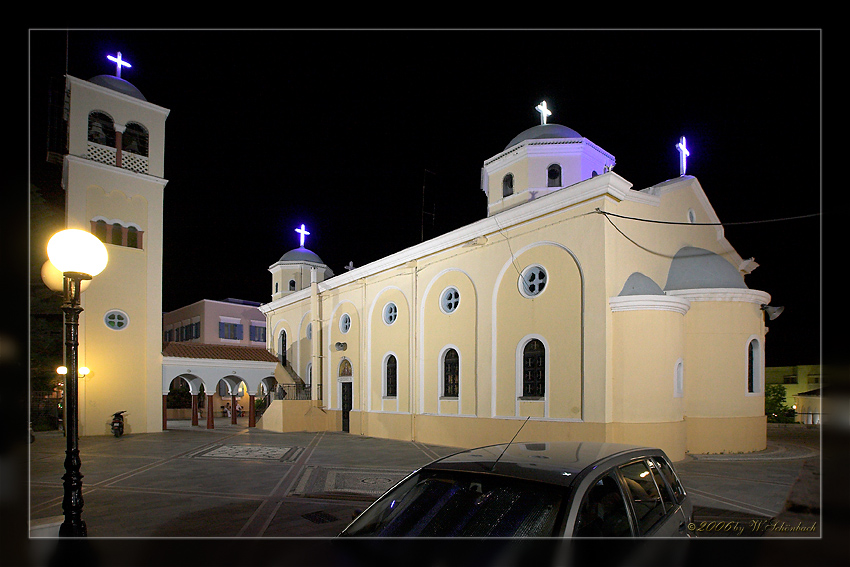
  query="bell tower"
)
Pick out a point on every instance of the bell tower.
point(538, 161)
point(113, 178)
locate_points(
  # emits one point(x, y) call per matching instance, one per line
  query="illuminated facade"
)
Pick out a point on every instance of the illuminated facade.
point(113, 178)
point(543, 311)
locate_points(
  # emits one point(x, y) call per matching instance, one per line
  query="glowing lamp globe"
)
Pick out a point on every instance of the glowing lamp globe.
point(54, 279)
point(75, 250)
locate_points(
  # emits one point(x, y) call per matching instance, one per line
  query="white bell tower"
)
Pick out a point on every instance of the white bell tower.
point(114, 184)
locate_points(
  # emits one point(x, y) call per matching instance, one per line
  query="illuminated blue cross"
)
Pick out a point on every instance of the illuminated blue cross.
point(303, 233)
point(118, 63)
point(683, 156)
point(544, 112)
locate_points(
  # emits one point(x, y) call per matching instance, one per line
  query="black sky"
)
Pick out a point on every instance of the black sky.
point(336, 129)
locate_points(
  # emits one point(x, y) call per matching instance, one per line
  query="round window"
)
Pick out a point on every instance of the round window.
point(533, 281)
point(309, 331)
point(449, 299)
point(116, 320)
point(692, 217)
point(344, 323)
point(390, 313)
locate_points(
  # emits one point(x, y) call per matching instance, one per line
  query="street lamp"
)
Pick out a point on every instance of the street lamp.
point(78, 255)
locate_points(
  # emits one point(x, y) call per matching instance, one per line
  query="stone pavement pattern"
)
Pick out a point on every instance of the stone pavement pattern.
point(239, 482)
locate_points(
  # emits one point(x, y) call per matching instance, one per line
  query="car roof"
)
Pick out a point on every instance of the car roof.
point(554, 462)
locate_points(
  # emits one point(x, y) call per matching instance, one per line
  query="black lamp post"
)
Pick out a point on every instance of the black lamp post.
point(78, 255)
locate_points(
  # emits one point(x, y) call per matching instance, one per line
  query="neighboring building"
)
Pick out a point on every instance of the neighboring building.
point(222, 346)
point(798, 380)
point(228, 322)
point(543, 311)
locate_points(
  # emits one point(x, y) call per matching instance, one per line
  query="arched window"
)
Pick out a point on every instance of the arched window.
point(100, 230)
point(507, 185)
point(391, 372)
point(132, 237)
point(101, 129)
point(679, 379)
point(451, 373)
point(281, 348)
point(291, 285)
point(553, 176)
point(117, 234)
point(345, 368)
point(135, 139)
point(534, 369)
point(753, 366)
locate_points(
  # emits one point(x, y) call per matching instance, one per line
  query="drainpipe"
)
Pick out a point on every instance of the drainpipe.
point(316, 343)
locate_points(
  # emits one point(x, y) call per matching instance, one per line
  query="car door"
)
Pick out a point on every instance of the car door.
point(656, 513)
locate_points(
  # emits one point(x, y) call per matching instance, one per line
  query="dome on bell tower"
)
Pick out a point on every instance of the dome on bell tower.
point(119, 85)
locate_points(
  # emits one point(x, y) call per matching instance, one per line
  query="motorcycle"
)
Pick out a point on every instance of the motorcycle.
point(118, 423)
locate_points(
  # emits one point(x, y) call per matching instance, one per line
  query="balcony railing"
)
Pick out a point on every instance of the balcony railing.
point(129, 160)
point(295, 392)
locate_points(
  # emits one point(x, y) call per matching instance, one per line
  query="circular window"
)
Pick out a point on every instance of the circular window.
point(449, 299)
point(692, 217)
point(344, 323)
point(532, 281)
point(390, 313)
point(116, 320)
point(309, 331)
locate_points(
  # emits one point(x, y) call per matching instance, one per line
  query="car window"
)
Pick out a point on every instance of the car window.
point(450, 504)
point(603, 511)
point(669, 474)
point(646, 501)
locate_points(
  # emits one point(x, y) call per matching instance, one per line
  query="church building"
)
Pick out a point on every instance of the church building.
point(562, 312)
point(579, 308)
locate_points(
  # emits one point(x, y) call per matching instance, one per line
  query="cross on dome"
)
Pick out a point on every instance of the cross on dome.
point(544, 112)
point(683, 156)
point(118, 63)
point(303, 233)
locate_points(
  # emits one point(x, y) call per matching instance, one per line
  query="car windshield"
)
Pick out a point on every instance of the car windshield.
point(455, 504)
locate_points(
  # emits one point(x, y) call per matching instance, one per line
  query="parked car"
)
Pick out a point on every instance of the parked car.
point(551, 489)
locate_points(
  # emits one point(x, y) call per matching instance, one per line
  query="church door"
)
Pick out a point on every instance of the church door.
point(346, 404)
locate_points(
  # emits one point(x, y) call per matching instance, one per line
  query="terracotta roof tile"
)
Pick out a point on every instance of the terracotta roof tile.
point(217, 352)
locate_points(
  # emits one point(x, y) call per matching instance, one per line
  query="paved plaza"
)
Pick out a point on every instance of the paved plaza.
point(240, 483)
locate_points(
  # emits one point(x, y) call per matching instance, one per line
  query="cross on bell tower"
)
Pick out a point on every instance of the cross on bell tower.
point(118, 63)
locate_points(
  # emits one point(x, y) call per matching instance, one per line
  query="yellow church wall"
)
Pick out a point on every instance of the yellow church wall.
point(555, 318)
point(385, 340)
point(439, 331)
point(726, 435)
point(332, 396)
point(720, 414)
point(643, 381)
point(648, 249)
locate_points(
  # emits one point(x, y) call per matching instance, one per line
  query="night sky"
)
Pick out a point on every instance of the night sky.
point(339, 130)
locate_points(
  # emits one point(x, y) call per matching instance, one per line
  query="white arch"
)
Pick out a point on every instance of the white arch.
point(369, 320)
point(494, 302)
point(421, 348)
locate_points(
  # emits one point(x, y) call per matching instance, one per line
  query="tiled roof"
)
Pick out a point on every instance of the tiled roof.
point(217, 352)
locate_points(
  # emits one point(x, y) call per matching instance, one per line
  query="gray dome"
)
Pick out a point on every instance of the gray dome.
point(639, 284)
point(542, 131)
point(301, 255)
point(695, 268)
point(119, 85)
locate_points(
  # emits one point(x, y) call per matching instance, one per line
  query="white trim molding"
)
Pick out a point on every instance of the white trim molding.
point(649, 303)
point(723, 294)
